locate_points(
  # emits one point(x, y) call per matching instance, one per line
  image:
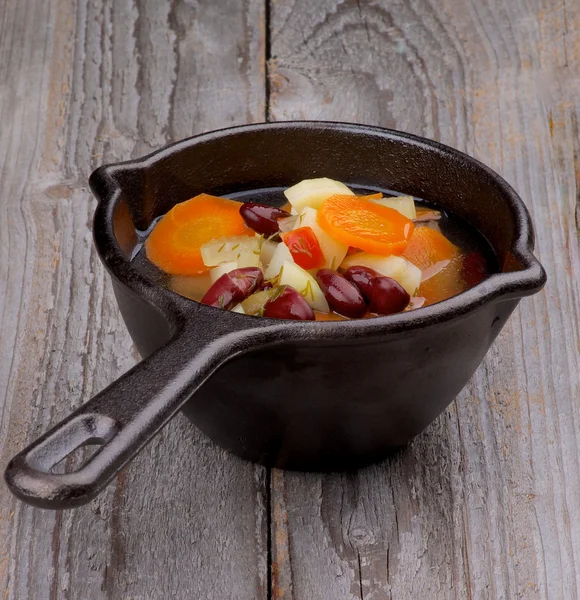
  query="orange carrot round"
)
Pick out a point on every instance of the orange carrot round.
point(175, 242)
point(428, 246)
point(371, 227)
point(375, 196)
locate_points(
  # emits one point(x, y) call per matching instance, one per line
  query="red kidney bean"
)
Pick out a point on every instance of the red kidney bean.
point(361, 277)
point(342, 296)
point(474, 268)
point(233, 287)
point(262, 218)
point(288, 304)
point(387, 296)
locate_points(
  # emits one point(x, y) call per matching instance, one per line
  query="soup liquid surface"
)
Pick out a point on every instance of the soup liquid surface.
point(455, 229)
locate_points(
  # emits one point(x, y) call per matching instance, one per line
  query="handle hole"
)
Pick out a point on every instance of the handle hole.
point(52, 454)
point(78, 458)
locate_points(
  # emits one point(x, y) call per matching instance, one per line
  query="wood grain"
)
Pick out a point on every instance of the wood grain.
point(82, 83)
point(485, 503)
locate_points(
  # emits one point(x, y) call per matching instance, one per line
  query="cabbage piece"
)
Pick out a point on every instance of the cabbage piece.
point(403, 204)
point(301, 280)
point(243, 249)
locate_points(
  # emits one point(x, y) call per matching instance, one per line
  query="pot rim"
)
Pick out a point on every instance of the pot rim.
point(498, 287)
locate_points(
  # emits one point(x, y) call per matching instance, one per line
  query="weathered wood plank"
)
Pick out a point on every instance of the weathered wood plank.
point(485, 503)
point(82, 83)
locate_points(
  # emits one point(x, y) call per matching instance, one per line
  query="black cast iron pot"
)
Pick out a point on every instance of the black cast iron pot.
point(298, 395)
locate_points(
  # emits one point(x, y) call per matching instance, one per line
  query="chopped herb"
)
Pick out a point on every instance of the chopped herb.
point(277, 292)
point(302, 247)
point(221, 247)
point(308, 291)
point(235, 247)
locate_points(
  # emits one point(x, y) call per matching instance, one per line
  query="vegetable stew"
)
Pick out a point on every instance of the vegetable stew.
point(317, 250)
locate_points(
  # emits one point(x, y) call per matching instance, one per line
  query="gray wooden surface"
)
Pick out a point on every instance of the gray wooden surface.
point(486, 503)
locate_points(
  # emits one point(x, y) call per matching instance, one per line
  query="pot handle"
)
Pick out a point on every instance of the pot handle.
point(122, 419)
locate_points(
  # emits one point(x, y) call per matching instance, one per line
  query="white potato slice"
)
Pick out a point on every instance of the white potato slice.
point(267, 251)
point(222, 269)
point(280, 256)
point(403, 204)
point(313, 192)
point(334, 252)
point(396, 267)
point(243, 249)
point(239, 309)
point(305, 284)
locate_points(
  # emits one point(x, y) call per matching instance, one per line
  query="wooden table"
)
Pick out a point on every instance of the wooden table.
point(486, 503)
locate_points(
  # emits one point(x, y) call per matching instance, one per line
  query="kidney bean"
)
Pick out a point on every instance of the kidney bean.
point(387, 296)
point(262, 218)
point(288, 304)
point(474, 268)
point(343, 296)
point(233, 287)
point(361, 277)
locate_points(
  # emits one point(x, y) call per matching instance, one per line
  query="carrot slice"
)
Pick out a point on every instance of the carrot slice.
point(331, 316)
point(371, 227)
point(447, 283)
point(175, 242)
point(428, 246)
